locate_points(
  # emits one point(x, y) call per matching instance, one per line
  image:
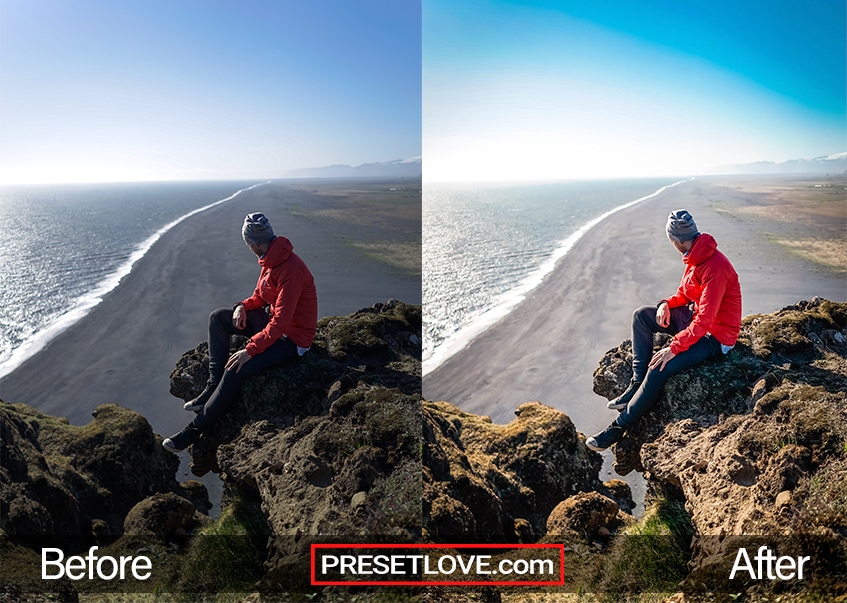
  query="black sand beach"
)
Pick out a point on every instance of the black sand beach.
point(548, 347)
point(124, 350)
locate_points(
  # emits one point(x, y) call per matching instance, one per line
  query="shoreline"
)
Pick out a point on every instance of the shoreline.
point(85, 304)
point(547, 348)
point(459, 340)
point(125, 347)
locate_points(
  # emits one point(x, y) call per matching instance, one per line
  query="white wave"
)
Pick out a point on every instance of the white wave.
point(83, 306)
point(462, 337)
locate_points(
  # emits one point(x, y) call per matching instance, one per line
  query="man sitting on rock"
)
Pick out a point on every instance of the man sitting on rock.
point(280, 318)
point(704, 317)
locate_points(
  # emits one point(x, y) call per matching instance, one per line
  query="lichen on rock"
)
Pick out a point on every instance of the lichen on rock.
point(329, 445)
point(481, 478)
point(61, 479)
point(752, 442)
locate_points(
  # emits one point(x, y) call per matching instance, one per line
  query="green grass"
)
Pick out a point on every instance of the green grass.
point(227, 556)
point(403, 255)
point(644, 563)
point(651, 555)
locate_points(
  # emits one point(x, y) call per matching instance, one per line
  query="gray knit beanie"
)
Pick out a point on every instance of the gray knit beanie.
point(257, 229)
point(681, 226)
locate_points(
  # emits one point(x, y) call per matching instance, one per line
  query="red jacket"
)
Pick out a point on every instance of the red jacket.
point(286, 285)
point(711, 283)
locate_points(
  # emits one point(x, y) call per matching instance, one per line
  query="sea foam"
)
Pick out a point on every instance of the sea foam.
point(35, 343)
point(507, 302)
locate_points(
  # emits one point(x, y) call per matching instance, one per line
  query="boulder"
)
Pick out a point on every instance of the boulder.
point(481, 478)
point(588, 514)
point(163, 515)
point(57, 478)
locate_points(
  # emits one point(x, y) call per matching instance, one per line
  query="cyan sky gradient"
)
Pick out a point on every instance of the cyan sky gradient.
point(573, 89)
point(205, 89)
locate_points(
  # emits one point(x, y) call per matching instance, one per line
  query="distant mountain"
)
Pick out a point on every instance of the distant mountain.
point(829, 164)
point(399, 168)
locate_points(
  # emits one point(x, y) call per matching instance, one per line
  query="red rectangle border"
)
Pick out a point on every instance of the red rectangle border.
point(316, 582)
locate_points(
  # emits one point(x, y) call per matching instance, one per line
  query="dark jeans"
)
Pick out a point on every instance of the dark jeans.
point(220, 330)
point(644, 325)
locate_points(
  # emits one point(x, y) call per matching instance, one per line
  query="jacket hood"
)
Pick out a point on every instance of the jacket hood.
point(279, 251)
point(704, 247)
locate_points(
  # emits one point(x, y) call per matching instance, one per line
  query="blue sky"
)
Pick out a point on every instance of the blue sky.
point(575, 89)
point(189, 89)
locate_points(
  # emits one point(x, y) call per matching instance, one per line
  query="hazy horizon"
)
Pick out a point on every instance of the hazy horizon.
point(256, 180)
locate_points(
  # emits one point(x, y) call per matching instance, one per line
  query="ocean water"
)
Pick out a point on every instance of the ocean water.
point(65, 246)
point(485, 246)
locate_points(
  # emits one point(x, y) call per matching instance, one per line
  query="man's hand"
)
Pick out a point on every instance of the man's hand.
point(663, 315)
point(237, 360)
point(239, 317)
point(661, 358)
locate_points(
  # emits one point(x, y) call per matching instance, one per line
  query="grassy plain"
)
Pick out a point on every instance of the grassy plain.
point(805, 215)
point(382, 218)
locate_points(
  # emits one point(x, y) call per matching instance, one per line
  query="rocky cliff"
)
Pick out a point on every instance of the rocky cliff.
point(750, 444)
point(754, 443)
point(326, 445)
point(62, 480)
point(500, 482)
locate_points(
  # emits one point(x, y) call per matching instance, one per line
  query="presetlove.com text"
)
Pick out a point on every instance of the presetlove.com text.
point(422, 565)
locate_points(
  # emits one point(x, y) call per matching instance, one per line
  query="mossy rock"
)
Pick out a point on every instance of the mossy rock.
point(58, 478)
